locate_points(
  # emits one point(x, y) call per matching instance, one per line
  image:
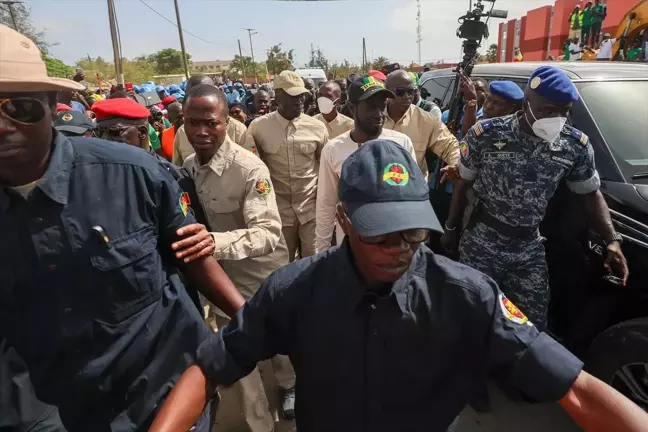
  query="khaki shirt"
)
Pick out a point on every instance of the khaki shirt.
point(182, 148)
point(427, 132)
point(338, 126)
point(291, 150)
point(236, 193)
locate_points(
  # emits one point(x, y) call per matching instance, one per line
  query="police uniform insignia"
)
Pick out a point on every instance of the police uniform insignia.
point(463, 147)
point(500, 145)
point(535, 83)
point(67, 117)
point(184, 203)
point(579, 136)
point(511, 312)
point(263, 187)
point(478, 129)
point(396, 174)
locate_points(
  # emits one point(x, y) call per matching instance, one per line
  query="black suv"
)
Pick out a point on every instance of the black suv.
point(603, 323)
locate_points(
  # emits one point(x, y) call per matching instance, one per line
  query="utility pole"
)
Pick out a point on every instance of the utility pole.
point(119, 73)
point(182, 45)
point(364, 56)
point(11, 12)
point(242, 59)
point(418, 30)
point(250, 33)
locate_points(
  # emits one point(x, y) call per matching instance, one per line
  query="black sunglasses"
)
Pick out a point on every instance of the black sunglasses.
point(22, 110)
point(402, 91)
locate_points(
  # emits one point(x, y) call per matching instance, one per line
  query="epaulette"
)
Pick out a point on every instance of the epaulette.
point(577, 135)
point(482, 126)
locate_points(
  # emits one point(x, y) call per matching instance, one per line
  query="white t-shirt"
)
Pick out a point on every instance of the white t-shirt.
point(573, 47)
point(606, 49)
point(334, 153)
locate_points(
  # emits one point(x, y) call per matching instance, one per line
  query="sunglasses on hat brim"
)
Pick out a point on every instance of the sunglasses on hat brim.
point(23, 110)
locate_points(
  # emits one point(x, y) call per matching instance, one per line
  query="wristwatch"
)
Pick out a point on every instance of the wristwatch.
point(616, 237)
point(471, 104)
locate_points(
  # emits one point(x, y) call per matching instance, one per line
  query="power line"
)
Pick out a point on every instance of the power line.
point(176, 25)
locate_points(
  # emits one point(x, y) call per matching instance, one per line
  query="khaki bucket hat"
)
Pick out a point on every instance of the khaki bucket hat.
point(22, 68)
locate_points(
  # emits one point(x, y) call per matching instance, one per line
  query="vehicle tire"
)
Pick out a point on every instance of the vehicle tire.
point(619, 357)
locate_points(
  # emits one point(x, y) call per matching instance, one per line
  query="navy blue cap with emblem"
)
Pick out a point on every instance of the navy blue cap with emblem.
point(384, 191)
point(507, 90)
point(554, 85)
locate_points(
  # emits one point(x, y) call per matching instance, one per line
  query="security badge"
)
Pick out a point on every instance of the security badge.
point(263, 187)
point(500, 145)
point(511, 312)
point(184, 203)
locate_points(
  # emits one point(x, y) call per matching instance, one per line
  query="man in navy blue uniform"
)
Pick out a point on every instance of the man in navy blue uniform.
point(383, 334)
point(88, 298)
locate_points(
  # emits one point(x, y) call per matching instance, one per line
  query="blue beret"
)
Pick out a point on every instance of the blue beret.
point(507, 90)
point(174, 88)
point(553, 84)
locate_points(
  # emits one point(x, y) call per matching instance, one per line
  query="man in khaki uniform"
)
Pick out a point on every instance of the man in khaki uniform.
point(426, 131)
point(290, 143)
point(235, 189)
point(330, 95)
point(181, 146)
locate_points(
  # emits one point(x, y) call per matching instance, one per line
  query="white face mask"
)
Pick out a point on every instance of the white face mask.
point(547, 128)
point(325, 105)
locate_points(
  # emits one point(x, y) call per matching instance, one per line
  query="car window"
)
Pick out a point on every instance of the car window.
point(620, 110)
point(437, 88)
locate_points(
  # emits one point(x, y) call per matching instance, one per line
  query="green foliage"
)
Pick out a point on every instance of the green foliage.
point(343, 70)
point(138, 70)
point(378, 63)
point(318, 60)
point(168, 61)
point(490, 56)
point(22, 17)
point(279, 60)
point(242, 66)
point(56, 68)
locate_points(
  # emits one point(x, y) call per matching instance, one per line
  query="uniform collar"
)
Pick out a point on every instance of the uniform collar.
point(285, 122)
point(405, 117)
point(221, 159)
point(334, 121)
point(56, 180)
point(359, 293)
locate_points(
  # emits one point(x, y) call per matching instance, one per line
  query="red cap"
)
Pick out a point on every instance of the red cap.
point(168, 101)
point(120, 107)
point(377, 74)
point(62, 107)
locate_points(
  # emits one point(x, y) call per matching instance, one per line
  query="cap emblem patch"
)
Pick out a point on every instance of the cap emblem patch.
point(369, 82)
point(395, 174)
point(67, 117)
point(535, 82)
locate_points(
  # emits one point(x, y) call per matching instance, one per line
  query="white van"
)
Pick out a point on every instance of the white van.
point(317, 75)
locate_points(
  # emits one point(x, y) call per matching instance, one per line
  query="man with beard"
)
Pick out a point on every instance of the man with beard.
point(367, 103)
point(426, 131)
point(87, 231)
point(290, 143)
point(181, 147)
point(236, 190)
point(330, 96)
point(386, 335)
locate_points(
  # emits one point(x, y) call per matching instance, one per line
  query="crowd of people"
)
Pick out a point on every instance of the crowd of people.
point(286, 223)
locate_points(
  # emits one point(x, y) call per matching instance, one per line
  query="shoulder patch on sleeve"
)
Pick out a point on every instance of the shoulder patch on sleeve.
point(578, 136)
point(482, 126)
point(263, 187)
point(184, 203)
point(511, 312)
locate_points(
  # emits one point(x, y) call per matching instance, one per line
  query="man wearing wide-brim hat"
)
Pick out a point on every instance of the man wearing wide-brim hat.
point(89, 302)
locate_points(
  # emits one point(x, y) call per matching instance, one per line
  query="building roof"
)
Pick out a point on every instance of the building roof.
point(575, 70)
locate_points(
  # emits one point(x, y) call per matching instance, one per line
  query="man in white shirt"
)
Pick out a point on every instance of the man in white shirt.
point(605, 49)
point(367, 100)
point(328, 101)
point(575, 50)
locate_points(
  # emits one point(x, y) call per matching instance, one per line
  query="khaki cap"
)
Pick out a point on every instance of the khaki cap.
point(22, 68)
point(291, 83)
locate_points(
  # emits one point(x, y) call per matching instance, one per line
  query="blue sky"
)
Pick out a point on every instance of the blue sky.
point(389, 26)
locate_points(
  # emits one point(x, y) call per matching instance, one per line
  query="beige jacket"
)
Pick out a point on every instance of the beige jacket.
point(338, 126)
point(182, 148)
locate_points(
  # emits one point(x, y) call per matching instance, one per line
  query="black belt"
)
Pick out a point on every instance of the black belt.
point(504, 228)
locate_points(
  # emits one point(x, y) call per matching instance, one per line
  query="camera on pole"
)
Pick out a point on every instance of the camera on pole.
point(472, 30)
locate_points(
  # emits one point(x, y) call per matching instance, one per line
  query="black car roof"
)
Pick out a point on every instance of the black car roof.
point(581, 70)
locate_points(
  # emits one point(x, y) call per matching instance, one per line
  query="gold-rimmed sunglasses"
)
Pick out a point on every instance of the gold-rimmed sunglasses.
point(22, 110)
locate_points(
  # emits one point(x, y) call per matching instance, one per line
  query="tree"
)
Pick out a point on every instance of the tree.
point(343, 70)
point(168, 61)
point(56, 68)
point(378, 63)
point(242, 66)
point(138, 70)
point(490, 56)
point(22, 16)
point(279, 60)
point(318, 60)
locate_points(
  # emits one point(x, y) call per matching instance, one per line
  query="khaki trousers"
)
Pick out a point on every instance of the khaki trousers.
point(300, 238)
point(252, 398)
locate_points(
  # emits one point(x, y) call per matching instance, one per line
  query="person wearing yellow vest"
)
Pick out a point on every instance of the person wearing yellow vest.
point(575, 22)
point(167, 137)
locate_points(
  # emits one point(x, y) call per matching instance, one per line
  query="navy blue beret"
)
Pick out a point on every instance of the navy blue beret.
point(553, 84)
point(508, 90)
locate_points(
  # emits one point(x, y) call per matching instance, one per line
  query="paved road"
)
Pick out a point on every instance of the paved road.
point(507, 416)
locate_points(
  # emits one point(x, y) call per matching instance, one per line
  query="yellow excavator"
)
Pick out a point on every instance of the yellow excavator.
point(632, 24)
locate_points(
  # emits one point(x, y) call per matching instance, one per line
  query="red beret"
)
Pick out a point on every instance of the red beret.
point(377, 74)
point(120, 107)
point(62, 107)
point(168, 101)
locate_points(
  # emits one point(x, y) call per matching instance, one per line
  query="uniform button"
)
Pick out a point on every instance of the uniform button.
point(51, 267)
point(373, 306)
